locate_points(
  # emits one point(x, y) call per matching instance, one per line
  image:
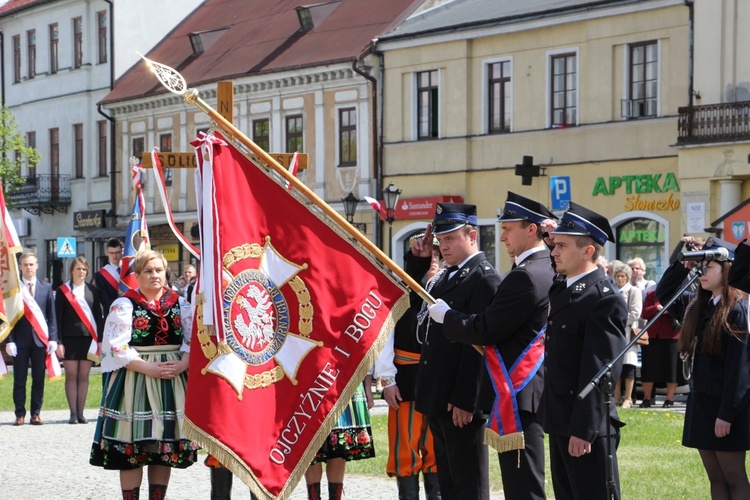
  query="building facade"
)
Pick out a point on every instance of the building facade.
point(589, 92)
point(60, 58)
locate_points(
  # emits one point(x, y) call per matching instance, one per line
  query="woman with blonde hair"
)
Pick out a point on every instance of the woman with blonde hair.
point(145, 355)
point(634, 303)
point(715, 332)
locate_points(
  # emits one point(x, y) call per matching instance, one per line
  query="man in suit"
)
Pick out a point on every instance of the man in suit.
point(510, 325)
point(585, 331)
point(451, 387)
point(107, 279)
point(32, 340)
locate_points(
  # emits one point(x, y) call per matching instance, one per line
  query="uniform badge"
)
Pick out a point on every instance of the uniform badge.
point(261, 345)
point(579, 287)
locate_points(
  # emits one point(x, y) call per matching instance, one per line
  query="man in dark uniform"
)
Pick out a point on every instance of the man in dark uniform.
point(451, 389)
point(585, 330)
point(411, 448)
point(107, 279)
point(511, 324)
point(738, 276)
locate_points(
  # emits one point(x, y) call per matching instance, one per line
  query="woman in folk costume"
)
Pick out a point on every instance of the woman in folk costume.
point(80, 323)
point(350, 439)
point(715, 331)
point(145, 355)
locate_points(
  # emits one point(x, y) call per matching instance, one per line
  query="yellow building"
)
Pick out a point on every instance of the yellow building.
point(591, 92)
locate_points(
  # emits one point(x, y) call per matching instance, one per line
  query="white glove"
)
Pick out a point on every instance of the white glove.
point(11, 349)
point(51, 346)
point(438, 310)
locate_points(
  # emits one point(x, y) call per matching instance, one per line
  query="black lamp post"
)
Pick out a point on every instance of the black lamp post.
point(390, 197)
point(350, 208)
point(111, 218)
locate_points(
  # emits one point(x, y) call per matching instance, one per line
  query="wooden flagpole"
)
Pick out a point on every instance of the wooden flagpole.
point(175, 83)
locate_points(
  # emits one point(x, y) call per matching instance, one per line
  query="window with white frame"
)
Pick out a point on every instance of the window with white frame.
point(427, 104)
point(563, 98)
point(643, 80)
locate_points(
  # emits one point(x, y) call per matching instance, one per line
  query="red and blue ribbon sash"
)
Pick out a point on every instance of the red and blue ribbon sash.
point(504, 430)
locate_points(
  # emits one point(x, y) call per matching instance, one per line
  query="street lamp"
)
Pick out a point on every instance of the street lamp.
point(350, 208)
point(111, 218)
point(390, 198)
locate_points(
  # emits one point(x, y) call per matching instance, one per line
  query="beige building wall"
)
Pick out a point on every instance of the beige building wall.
point(466, 161)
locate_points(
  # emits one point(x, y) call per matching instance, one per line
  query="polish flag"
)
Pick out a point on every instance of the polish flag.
point(293, 167)
point(375, 204)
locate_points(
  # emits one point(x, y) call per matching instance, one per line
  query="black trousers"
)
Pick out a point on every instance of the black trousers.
point(36, 357)
point(462, 459)
point(523, 470)
point(585, 477)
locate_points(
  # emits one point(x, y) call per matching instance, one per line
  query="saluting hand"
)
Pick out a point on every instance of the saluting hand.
point(423, 247)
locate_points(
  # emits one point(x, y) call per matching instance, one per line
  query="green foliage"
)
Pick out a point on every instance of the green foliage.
point(13, 151)
point(54, 392)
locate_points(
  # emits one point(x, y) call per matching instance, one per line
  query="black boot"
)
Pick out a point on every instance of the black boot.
point(408, 487)
point(431, 486)
point(313, 491)
point(221, 484)
point(157, 491)
point(335, 490)
point(131, 494)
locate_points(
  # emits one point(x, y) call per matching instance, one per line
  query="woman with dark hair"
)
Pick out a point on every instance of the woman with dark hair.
point(715, 331)
point(145, 355)
point(80, 323)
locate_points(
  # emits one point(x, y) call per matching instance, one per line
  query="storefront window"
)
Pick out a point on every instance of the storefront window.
point(643, 238)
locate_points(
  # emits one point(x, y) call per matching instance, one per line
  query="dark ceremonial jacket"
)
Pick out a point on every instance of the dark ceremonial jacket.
point(68, 322)
point(739, 275)
point(725, 375)
point(107, 294)
point(512, 320)
point(585, 330)
point(450, 372)
point(23, 334)
point(405, 332)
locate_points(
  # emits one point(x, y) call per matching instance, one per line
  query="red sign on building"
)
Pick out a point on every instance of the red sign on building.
point(422, 208)
point(736, 223)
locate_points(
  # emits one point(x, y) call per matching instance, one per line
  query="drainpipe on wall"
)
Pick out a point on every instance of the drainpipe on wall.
point(376, 137)
point(691, 49)
point(112, 121)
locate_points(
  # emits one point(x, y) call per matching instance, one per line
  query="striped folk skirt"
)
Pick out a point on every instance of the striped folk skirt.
point(141, 418)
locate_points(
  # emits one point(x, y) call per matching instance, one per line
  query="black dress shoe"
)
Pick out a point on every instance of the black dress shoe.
point(646, 403)
point(668, 404)
point(82, 420)
point(73, 420)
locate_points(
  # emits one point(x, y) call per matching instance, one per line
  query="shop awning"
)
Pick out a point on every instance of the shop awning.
point(107, 233)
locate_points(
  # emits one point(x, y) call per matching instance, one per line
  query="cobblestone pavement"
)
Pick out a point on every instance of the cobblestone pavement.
point(51, 462)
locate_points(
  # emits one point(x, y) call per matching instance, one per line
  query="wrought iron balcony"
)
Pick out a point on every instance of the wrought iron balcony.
point(41, 193)
point(714, 123)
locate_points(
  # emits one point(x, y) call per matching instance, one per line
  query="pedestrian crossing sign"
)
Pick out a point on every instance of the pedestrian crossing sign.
point(66, 247)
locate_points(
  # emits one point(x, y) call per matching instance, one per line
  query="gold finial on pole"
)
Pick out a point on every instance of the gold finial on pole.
point(174, 82)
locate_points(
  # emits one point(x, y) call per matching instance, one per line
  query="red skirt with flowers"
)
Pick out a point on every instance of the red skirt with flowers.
point(351, 439)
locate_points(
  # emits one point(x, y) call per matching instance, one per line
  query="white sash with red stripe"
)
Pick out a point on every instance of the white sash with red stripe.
point(112, 275)
point(82, 309)
point(34, 315)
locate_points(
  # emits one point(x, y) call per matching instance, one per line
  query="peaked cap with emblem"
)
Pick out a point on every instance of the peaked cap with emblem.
point(452, 216)
point(580, 221)
point(518, 208)
point(715, 243)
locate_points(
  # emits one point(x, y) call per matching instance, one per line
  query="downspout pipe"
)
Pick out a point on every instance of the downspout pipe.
point(2, 68)
point(691, 49)
point(111, 119)
point(376, 117)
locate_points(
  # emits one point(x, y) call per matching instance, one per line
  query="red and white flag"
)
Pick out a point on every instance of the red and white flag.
point(377, 206)
point(293, 168)
point(294, 315)
point(11, 307)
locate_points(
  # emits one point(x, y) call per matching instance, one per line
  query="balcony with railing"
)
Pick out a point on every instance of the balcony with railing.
point(41, 193)
point(714, 123)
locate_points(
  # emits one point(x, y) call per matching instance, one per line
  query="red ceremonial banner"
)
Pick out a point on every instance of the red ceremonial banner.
point(294, 314)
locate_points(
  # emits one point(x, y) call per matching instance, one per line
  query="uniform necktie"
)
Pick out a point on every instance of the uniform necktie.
point(31, 288)
point(449, 270)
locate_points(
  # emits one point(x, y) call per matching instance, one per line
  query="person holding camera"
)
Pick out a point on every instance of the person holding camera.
point(714, 331)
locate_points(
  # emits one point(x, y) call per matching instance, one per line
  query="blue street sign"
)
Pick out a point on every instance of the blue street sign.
point(66, 247)
point(560, 191)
